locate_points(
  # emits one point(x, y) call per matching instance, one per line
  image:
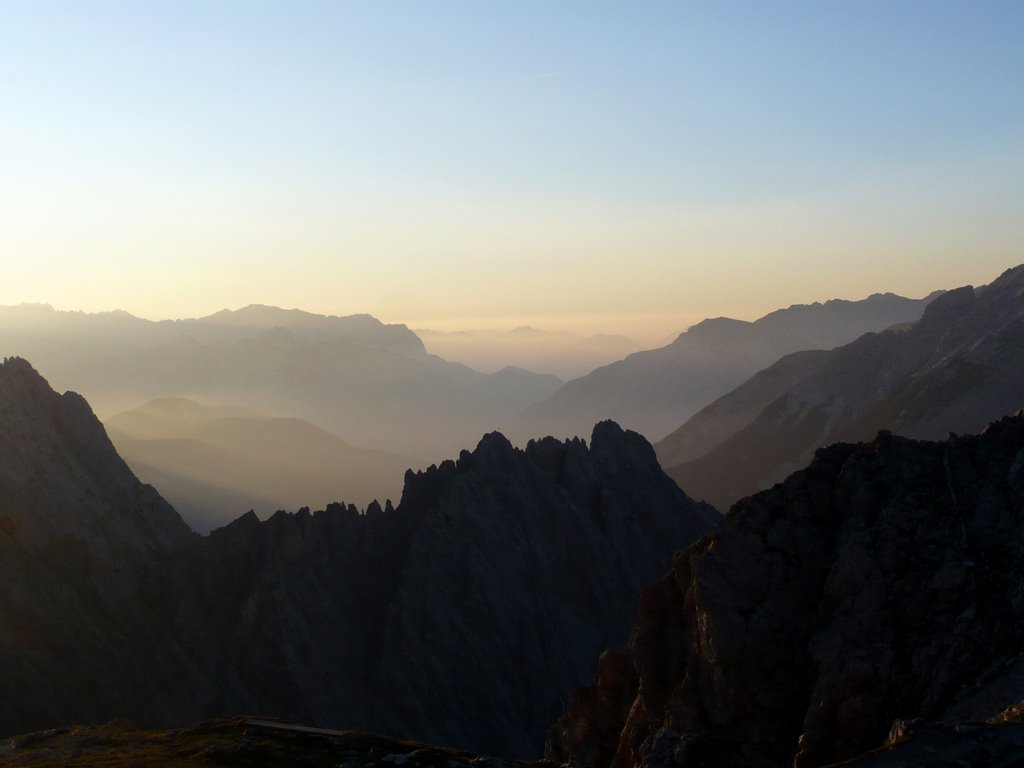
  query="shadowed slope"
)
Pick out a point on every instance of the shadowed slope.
point(505, 571)
point(956, 369)
point(656, 390)
point(215, 462)
point(881, 582)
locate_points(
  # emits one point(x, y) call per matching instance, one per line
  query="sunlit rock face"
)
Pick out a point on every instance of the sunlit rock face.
point(465, 616)
point(881, 582)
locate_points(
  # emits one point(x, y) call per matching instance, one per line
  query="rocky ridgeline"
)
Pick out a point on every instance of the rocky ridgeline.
point(955, 370)
point(656, 390)
point(465, 616)
point(882, 582)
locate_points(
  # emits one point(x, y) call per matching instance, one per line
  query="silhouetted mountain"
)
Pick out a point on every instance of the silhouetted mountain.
point(655, 390)
point(956, 369)
point(364, 330)
point(505, 571)
point(237, 742)
point(567, 355)
point(215, 462)
point(714, 423)
point(351, 376)
point(77, 533)
point(881, 582)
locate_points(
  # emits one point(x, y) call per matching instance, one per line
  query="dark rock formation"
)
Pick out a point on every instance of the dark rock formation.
point(882, 582)
point(231, 743)
point(996, 744)
point(955, 370)
point(77, 533)
point(507, 570)
point(465, 616)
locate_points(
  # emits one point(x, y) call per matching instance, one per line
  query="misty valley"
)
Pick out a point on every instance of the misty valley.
point(269, 536)
point(406, 384)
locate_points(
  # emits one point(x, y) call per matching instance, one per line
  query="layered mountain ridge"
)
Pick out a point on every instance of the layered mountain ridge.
point(955, 370)
point(214, 462)
point(371, 384)
point(508, 569)
point(653, 390)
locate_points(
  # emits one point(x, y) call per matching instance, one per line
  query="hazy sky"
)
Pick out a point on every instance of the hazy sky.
point(619, 167)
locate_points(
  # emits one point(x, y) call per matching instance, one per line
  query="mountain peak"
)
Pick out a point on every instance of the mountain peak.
point(18, 365)
point(770, 640)
point(64, 474)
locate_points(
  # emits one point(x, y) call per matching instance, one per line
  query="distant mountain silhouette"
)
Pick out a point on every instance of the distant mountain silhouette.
point(566, 355)
point(365, 330)
point(352, 376)
point(215, 462)
point(656, 390)
point(504, 571)
point(713, 424)
point(955, 370)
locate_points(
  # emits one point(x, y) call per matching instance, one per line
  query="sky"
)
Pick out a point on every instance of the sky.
point(597, 167)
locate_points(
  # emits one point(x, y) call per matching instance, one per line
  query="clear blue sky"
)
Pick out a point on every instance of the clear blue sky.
point(628, 166)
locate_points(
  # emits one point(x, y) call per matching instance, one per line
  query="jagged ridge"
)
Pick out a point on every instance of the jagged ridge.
point(881, 582)
point(507, 570)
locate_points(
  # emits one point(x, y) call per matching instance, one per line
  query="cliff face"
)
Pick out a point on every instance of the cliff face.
point(955, 370)
point(59, 474)
point(77, 533)
point(465, 616)
point(882, 582)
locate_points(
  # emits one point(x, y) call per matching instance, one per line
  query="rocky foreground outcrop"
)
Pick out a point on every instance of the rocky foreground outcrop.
point(465, 616)
point(78, 534)
point(238, 742)
point(885, 581)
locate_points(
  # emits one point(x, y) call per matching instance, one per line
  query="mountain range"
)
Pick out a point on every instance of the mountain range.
point(371, 384)
point(505, 570)
point(656, 390)
point(564, 354)
point(955, 370)
point(864, 610)
point(212, 463)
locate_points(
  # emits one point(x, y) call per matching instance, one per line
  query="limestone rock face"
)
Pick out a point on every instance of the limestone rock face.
point(882, 582)
point(465, 616)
